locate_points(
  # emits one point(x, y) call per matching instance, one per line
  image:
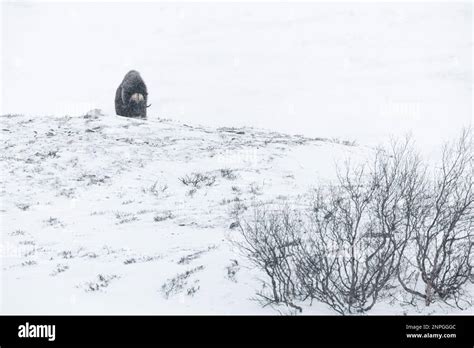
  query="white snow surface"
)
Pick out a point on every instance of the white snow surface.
point(95, 218)
point(81, 195)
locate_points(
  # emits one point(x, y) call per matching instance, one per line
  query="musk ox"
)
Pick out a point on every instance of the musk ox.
point(131, 96)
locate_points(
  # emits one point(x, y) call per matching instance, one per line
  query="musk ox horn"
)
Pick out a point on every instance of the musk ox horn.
point(137, 97)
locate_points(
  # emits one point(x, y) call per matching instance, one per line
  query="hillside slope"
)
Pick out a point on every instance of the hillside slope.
point(104, 214)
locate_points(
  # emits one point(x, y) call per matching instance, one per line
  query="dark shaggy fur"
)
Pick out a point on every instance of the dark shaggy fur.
point(131, 96)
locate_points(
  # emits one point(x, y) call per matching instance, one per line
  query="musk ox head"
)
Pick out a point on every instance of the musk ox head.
point(137, 105)
point(131, 96)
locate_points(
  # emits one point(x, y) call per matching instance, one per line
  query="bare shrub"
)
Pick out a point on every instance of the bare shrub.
point(232, 270)
point(228, 173)
point(59, 269)
point(155, 189)
point(179, 282)
point(197, 180)
point(162, 216)
point(195, 255)
point(125, 217)
point(441, 218)
point(343, 251)
point(354, 241)
point(269, 241)
point(101, 283)
point(381, 221)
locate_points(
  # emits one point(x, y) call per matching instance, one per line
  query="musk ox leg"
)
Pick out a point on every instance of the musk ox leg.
point(119, 105)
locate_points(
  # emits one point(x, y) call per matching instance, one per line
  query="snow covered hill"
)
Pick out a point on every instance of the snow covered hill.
point(106, 214)
point(103, 215)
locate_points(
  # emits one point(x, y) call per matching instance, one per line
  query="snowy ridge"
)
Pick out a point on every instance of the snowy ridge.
point(112, 215)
